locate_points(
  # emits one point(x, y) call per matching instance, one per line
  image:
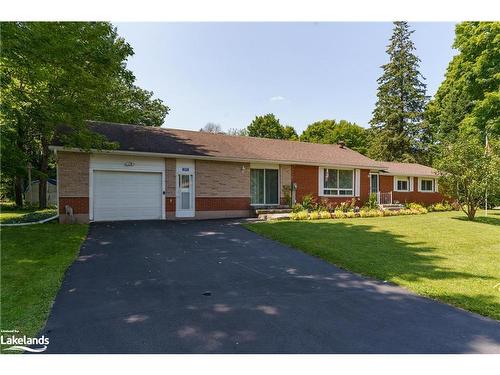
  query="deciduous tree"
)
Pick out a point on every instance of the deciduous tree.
point(469, 97)
point(330, 131)
point(65, 73)
point(268, 126)
point(469, 171)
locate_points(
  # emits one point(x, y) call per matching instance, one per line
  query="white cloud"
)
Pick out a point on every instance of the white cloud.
point(276, 98)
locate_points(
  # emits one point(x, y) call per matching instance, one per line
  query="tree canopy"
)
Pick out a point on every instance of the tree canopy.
point(398, 130)
point(65, 73)
point(469, 171)
point(268, 126)
point(330, 131)
point(469, 97)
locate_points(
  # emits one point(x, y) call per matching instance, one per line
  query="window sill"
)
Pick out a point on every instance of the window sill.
point(263, 204)
point(338, 196)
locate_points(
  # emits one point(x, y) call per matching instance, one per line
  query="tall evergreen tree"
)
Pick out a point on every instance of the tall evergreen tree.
point(397, 123)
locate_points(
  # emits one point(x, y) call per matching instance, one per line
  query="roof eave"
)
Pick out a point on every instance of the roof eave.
point(202, 157)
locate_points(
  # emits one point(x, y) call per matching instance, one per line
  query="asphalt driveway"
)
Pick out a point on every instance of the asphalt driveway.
point(214, 287)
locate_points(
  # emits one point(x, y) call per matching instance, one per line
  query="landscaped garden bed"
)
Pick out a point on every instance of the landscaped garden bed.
point(309, 209)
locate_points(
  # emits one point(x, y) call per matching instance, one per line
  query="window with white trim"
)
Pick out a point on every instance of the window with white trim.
point(427, 184)
point(402, 183)
point(337, 182)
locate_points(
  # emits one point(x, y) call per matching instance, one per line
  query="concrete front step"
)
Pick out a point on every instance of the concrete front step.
point(392, 207)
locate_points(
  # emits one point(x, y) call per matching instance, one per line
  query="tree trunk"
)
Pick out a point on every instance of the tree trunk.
point(18, 188)
point(471, 212)
point(44, 169)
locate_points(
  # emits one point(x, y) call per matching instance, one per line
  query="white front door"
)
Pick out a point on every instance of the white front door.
point(185, 195)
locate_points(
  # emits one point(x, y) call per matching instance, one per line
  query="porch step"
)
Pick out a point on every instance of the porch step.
point(274, 216)
point(276, 210)
point(392, 206)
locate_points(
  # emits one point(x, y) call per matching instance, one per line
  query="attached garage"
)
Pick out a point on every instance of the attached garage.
point(127, 195)
point(126, 188)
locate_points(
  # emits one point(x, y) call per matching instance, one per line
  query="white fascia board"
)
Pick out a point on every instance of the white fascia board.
point(201, 157)
point(410, 175)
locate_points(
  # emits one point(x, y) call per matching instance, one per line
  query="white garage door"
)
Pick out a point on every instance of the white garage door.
point(127, 196)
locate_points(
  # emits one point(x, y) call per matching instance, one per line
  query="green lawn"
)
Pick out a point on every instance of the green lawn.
point(34, 259)
point(439, 255)
point(9, 214)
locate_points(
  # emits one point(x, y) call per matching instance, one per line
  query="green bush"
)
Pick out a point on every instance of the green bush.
point(314, 215)
point(302, 215)
point(350, 214)
point(416, 208)
point(363, 213)
point(338, 214)
point(372, 201)
point(308, 202)
point(444, 206)
point(324, 215)
point(297, 207)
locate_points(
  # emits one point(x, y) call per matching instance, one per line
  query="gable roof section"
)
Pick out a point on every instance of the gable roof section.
point(409, 169)
point(220, 146)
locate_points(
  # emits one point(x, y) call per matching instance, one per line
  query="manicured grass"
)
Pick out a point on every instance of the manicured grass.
point(34, 259)
point(439, 255)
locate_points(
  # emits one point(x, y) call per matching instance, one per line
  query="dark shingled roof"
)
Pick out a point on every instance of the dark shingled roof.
point(195, 143)
point(409, 169)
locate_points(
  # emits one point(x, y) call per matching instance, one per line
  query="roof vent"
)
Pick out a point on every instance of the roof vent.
point(341, 144)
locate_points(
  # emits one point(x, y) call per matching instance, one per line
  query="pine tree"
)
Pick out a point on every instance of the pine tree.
point(398, 130)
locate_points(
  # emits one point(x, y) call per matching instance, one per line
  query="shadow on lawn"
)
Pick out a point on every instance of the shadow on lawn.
point(493, 218)
point(360, 248)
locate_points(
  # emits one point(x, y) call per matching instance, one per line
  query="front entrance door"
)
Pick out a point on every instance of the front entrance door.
point(374, 183)
point(185, 195)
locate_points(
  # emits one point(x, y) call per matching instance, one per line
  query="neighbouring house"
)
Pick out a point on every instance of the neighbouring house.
point(31, 194)
point(159, 173)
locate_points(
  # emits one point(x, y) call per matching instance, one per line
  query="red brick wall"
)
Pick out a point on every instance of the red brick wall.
point(221, 204)
point(364, 181)
point(80, 205)
point(387, 184)
point(307, 180)
point(170, 204)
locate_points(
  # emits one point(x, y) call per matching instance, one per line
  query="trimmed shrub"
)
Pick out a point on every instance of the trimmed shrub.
point(438, 207)
point(297, 207)
point(314, 215)
point(324, 215)
point(339, 214)
point(350, 214)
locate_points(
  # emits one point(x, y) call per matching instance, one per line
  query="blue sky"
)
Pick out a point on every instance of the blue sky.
point(228, 73)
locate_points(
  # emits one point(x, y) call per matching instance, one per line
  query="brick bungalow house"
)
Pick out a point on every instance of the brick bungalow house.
point(158, 173)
